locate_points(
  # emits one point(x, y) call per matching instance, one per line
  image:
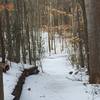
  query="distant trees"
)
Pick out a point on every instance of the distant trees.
point(20, 33)
point(79, 41)
point(22, 21)
point(89, 37)
point(21, 36)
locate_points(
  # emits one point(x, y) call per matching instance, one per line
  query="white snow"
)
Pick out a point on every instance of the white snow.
point(10, 79)
point(55, 83)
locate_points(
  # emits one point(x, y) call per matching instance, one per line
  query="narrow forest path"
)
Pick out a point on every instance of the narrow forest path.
point(53, 84)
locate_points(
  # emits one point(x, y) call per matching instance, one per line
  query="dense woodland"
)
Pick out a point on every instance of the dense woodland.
point(22, 23)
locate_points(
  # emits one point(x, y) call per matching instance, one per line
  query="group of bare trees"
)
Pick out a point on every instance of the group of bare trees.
point(20, 31)
point(87, 12)
point(22, 23)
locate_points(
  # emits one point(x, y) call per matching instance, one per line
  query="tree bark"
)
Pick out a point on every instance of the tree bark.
point(3, 60)
point(2, 42)
point(1, 84)
point(93, 20)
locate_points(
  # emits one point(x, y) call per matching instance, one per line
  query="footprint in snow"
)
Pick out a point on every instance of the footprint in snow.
point(29, 89)
point(43, 96)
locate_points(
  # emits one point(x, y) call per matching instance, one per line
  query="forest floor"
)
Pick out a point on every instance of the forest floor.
point(54, 84)
point(10, 78)
point(58, 82)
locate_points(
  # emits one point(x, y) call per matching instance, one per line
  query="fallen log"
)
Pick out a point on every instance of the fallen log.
point(18, 89)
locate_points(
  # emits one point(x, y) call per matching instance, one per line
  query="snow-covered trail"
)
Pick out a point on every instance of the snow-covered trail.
point(53, 84)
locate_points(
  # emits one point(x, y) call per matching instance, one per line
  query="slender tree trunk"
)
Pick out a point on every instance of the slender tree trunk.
point(9, 41)
point(82, 3)
point(3, 60)
point(1, 84)
point(29, 45)
point(80, 42)
point(2, 42)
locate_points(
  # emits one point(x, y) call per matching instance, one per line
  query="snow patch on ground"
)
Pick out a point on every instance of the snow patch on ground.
point(53, 84)
point(56, 83)
point(11, 77)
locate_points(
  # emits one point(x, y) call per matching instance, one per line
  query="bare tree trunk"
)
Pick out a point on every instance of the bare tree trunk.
point(2, 42)
point(3, 60)
point(93, 20)
point(82, 3)
point(1, 84)
point(9, 41)
point(80, 42)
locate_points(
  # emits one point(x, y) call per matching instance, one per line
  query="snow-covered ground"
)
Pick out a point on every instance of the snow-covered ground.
point(10, 79)
point(55, 83)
